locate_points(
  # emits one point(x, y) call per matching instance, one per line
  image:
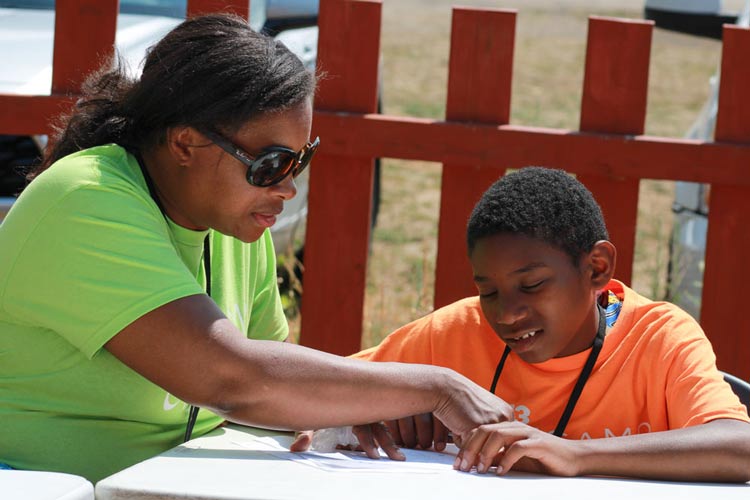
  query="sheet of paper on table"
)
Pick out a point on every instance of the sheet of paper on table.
point(417, 461)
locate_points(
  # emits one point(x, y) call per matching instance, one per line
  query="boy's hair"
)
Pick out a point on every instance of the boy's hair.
point(541, 203)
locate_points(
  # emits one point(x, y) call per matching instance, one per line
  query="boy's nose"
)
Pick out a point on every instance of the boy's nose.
point(510, 311)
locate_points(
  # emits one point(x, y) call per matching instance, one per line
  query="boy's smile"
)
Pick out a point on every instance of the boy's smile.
point(523, 342)
point(536, 300)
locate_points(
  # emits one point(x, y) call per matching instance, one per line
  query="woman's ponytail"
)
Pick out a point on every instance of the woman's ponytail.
point(97, 118)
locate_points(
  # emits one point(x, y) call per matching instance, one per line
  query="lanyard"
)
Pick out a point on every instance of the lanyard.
point(193, 414)
point(582, 378)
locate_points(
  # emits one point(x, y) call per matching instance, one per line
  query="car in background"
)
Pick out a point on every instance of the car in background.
point(26, 43)
point(687, 245)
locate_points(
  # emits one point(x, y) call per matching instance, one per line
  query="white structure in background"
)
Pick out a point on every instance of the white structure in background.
point(688, 242)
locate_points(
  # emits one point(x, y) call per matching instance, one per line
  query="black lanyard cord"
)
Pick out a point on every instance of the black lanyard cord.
point(499, 369)
point(582, 378)
point(193, 413)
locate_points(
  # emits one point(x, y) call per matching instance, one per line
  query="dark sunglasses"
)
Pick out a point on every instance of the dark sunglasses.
point(272, 165)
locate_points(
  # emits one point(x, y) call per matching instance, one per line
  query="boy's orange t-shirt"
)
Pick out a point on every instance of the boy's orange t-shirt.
point(656, 371)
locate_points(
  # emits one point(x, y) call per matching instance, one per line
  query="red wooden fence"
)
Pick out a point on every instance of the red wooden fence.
point(475, 144)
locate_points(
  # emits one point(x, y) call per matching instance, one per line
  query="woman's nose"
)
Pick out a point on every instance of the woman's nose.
point(286, 189)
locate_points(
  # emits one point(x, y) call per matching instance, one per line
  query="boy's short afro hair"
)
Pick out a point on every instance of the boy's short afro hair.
point(541, 203)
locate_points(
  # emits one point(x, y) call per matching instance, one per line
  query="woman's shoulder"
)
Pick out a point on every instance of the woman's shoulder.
point(95, 166)
point(104, 169)
point(96, 182)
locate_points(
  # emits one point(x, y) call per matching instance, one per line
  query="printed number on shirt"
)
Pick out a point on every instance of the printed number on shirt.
point(522, 413)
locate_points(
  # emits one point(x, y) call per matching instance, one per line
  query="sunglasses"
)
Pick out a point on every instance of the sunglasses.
point(272, 165)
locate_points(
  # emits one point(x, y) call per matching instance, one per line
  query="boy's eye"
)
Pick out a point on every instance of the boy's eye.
point(533, 286)
point(484, 295)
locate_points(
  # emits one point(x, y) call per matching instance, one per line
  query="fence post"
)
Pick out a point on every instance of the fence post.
point(615, 89)
point(727, 273)
point(84, 39)
point(339, 204)
point(479, 91)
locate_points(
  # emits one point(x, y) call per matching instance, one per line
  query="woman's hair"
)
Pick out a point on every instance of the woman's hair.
point(541, 203)
point(211, 72)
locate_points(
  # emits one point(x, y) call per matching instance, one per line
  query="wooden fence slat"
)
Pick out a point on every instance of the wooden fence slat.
point(733, 118)
point(479, 91)
point(512, 146)
point(30, 115)
point(615, 90)
point(339, 204)
point(238, 7)
point(727, 272)
point(84, 40)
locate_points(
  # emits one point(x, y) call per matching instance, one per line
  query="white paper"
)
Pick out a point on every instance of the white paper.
point(417, 461)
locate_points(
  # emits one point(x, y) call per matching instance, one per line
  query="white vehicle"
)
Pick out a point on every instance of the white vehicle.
point(687, 245)
point(26, 43)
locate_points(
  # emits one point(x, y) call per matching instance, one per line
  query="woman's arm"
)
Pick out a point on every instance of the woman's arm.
point(716, 451)
point(191, 350)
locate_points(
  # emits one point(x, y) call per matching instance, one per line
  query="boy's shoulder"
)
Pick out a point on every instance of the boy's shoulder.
point(467, 311)
point(658, 321)
point(641, 307)
point(459, 326)
point(461, 322)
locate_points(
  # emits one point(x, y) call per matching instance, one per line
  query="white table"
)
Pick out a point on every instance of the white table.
point(234, 463)
point(35, 485)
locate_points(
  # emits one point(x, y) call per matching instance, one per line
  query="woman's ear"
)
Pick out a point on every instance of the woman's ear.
point(181, 143)
point(601, 260)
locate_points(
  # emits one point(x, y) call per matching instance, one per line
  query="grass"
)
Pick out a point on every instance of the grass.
point(547, 83)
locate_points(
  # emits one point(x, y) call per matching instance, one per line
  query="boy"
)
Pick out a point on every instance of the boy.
point(549, 325)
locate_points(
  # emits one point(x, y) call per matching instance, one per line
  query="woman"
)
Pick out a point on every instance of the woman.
point(106, 333)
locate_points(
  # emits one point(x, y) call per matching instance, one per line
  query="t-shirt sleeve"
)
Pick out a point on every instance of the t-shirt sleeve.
point(267, 321)
point(695, 390)
point(95, 260)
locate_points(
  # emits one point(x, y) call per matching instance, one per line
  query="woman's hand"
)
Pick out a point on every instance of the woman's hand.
point(513, 445)
point(464, 406)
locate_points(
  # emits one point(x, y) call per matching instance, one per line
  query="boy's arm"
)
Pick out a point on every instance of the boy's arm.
point(715, 451)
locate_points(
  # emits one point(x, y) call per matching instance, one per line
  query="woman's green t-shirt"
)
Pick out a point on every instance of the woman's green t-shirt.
point(84, 252)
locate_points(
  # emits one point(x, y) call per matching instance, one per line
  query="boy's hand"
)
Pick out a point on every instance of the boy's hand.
point(519, 446)
point(369, 436)
point(423, 430)
point(372, 435)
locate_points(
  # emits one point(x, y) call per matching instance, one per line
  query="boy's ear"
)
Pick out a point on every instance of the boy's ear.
point(601, 261)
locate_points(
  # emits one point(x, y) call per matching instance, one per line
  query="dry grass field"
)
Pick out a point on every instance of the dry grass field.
point(548, 75)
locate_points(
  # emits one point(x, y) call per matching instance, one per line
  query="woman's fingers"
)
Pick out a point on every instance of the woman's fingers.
point(302, 441)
